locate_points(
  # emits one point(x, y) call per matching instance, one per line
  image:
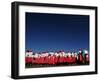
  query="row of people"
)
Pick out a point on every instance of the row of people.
point(53, 59)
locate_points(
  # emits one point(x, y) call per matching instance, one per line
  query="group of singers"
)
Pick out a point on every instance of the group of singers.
point(56, 58)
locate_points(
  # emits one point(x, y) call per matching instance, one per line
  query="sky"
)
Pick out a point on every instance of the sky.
point(53, 32)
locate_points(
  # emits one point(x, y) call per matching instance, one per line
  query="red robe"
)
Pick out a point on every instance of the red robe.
point(61, 59)
point(73, 59)
point(28, 59)
point(64, 59)
point(37, 60)
point(51, 60)
point(87, 58)
point(33, 60)
point(46, 60)
point(56, 59)
point(80, 58)
point(42, 60)
point(69, 59)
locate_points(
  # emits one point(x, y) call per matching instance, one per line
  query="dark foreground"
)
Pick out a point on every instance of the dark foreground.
point(56, 65)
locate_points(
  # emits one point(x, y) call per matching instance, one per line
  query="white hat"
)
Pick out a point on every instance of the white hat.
point(85, 51)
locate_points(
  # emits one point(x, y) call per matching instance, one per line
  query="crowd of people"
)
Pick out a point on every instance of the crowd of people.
point(56, 58)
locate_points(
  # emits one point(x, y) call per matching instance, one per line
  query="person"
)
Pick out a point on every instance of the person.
point(28, 57)
point(80, 57)
point(46, 60)
point(27, 61)
point(52, 60)
point(86, 57)
point(60, 59)
point(76, 57)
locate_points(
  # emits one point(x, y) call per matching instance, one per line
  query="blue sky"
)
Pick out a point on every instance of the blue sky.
point(52, 32)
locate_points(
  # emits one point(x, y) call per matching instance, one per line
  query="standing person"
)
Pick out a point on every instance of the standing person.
point(80, 57)
point(56, 58)
point(86, 57)
point(68, 58)
point(63, 57)
point(33, 60)
point(27, 61)
point(36, 59)
point(60, 58)
point(46, 60)
point(51, 60)
point(76, 57)
point(42, 60)
point(73, 58)
point(28, 57)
